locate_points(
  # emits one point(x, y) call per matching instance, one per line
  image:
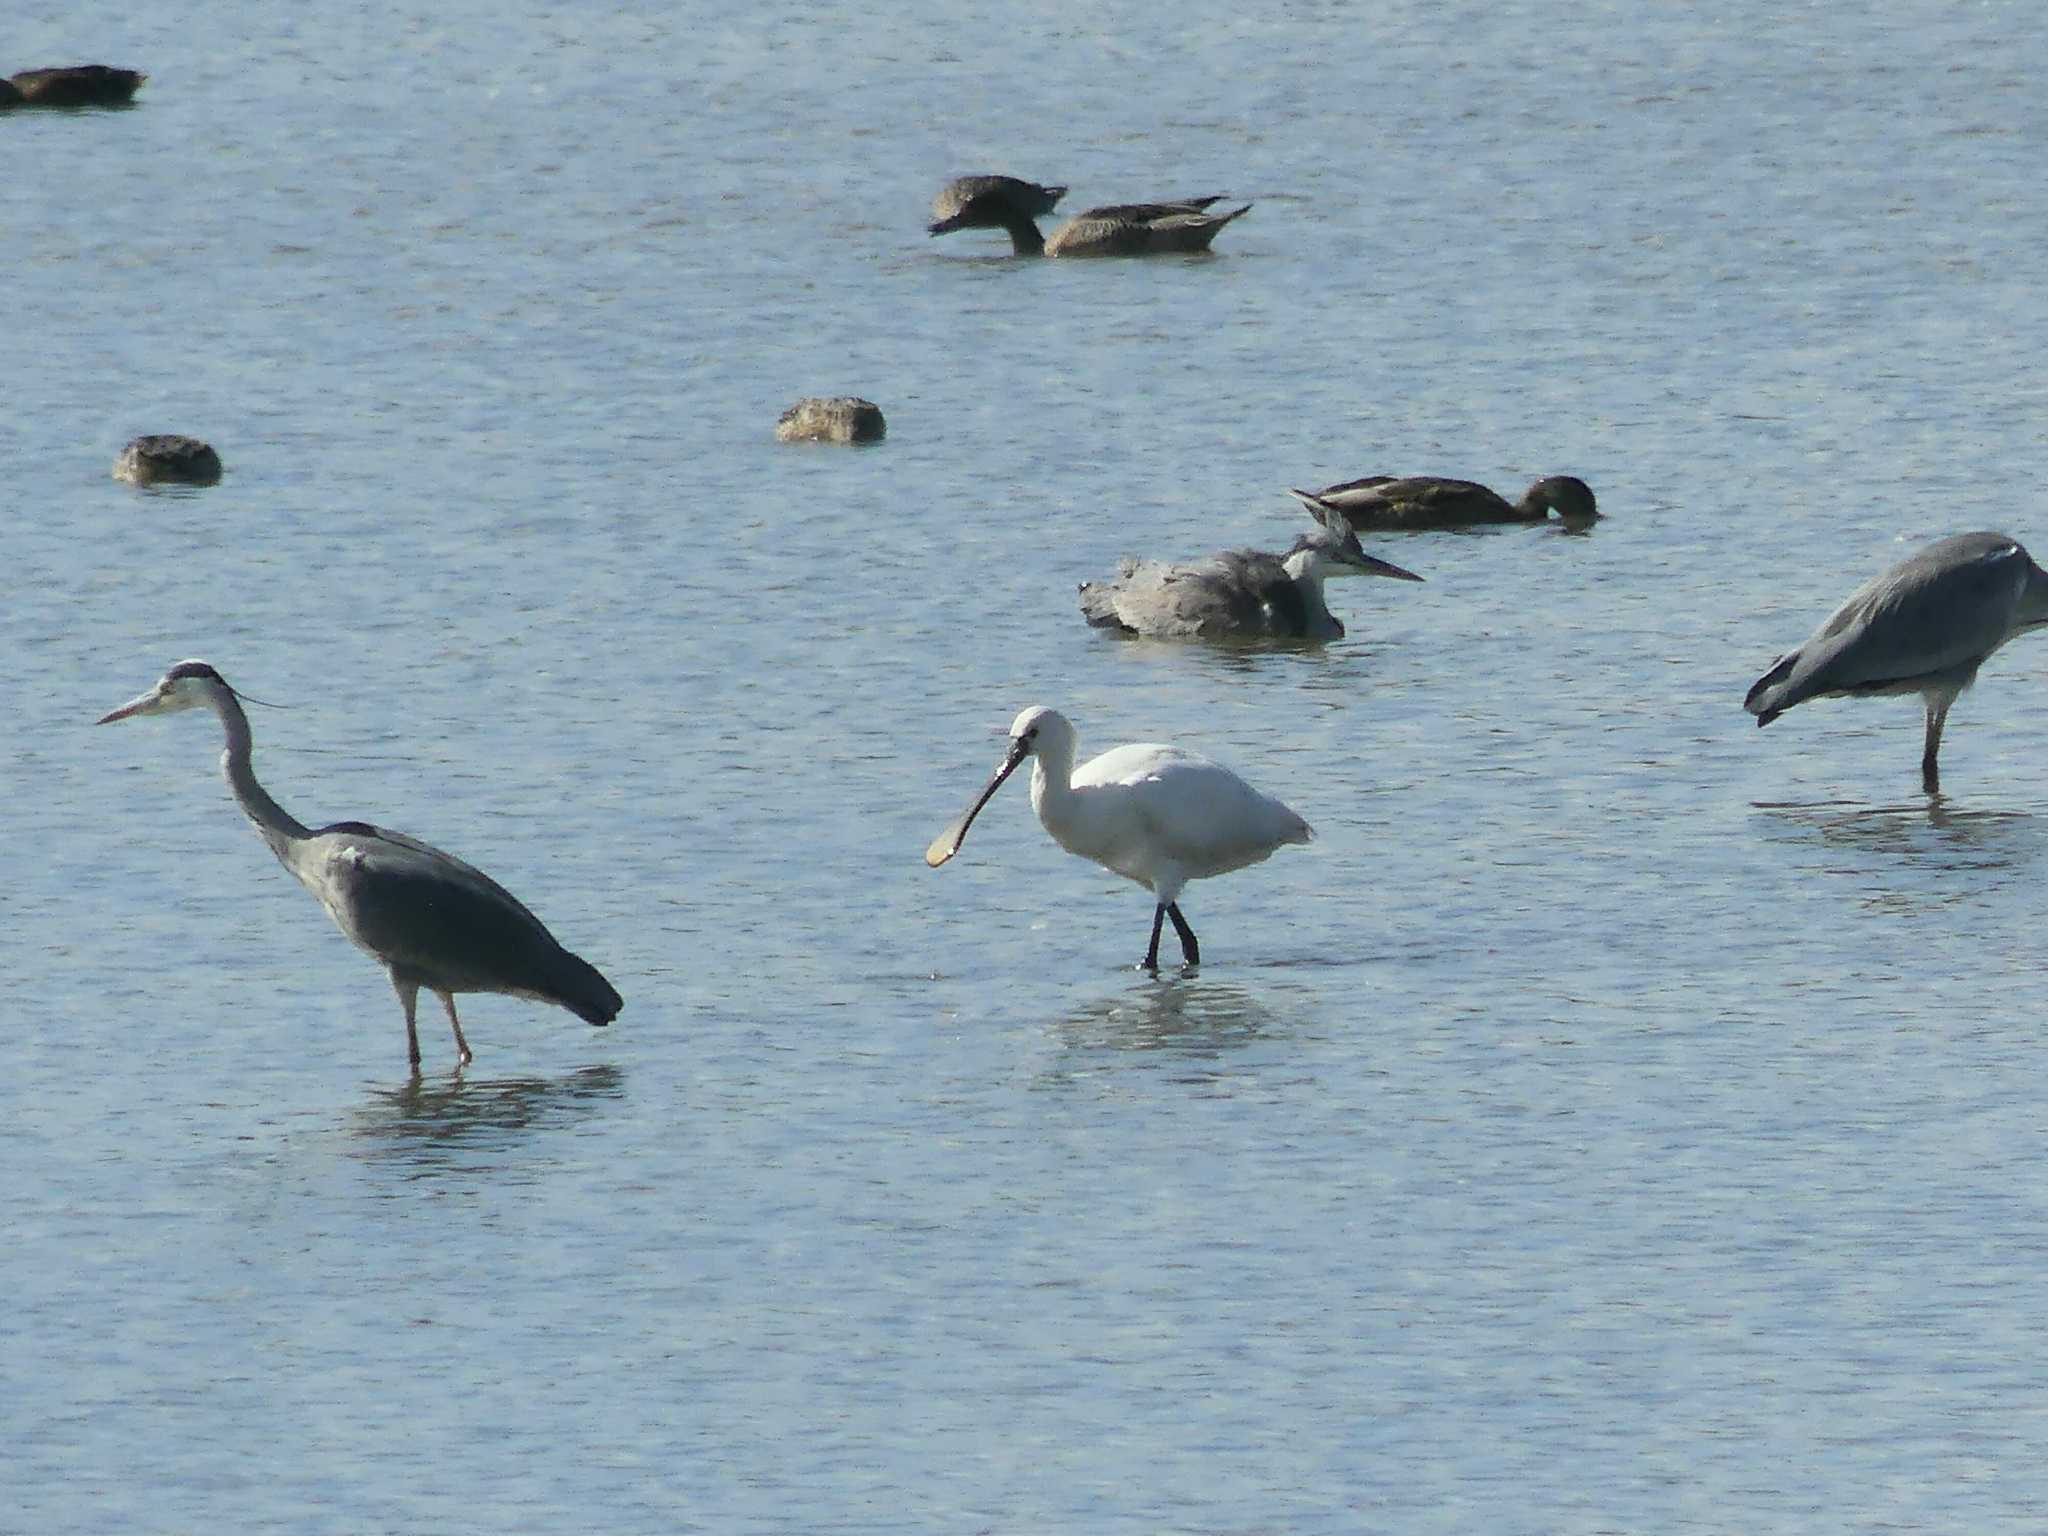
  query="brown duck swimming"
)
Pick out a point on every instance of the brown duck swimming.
point(1116, 229)
point(1430, 501)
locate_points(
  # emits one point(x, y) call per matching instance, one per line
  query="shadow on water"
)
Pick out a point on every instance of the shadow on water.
point(429, 1123)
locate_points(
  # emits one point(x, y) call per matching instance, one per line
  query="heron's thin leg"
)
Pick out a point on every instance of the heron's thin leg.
point(408, 999)
point(1152, 953)
point(1937, 717)
point(461, 1045)
point(1190, 951)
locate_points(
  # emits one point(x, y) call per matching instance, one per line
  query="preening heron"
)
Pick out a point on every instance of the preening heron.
point(1925, 626)
point(1431, 501)
point(1115, 229)
point(1157, 815)
point(1238, 594)
point(428, 918)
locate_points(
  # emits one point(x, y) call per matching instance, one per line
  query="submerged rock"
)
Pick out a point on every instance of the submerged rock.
point(831, 419)
point(167, 459)
point(75, 85)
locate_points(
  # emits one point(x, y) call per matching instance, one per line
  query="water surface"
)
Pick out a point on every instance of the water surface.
point(1619, 1118)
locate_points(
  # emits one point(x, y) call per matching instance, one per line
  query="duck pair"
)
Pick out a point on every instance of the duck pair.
point(1116, 229)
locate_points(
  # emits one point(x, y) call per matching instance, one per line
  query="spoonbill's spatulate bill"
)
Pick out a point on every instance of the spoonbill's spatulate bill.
point(1925, 626)
point(431, 920)
point(1157, 815)
point(1238, 594)
point(1432, 501)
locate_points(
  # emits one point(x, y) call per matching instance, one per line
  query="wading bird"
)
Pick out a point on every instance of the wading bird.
point(1116, 229)
point(1158, 815)
point(1925, 626)
point(428, 918)
point(1238, 594)
point(1430, 501)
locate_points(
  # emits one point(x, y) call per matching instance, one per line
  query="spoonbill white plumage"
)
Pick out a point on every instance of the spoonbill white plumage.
point(1158, 815)
point(1925, 626)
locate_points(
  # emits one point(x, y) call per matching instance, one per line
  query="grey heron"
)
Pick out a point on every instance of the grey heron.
point(1431, 501)
point(1925, 626)
point(428, 918)
point(1115, 229)
point(1157, 815)
point(1238, 594)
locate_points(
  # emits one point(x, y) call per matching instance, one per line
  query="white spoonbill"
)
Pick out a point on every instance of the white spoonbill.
point(1925, 626)
point(1159, 815)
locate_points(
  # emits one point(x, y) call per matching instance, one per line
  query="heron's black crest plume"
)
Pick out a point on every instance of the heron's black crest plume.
point(185, 669)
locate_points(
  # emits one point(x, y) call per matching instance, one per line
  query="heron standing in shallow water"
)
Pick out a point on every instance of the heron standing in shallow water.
point(1925, 626)
point(1157, 815)
point(428, 918)
point(1238, 594)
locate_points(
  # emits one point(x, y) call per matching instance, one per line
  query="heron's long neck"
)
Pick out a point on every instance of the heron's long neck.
point(279, 830)
point(1308, 567)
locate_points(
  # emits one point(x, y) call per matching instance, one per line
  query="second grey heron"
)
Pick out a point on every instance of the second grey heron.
point(1431, 501)
point(1157, 815)
point(1238, 594)
point(428, 918)
point(1925, 626)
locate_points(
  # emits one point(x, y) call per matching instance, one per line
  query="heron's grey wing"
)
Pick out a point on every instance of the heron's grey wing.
point(1928, 621)
point(430, 916)
point(1203, 599)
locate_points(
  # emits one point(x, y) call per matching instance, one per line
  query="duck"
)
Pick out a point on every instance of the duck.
point(1432, 501)
point(73, 85)
point(1238, 594)
point(1114, 229)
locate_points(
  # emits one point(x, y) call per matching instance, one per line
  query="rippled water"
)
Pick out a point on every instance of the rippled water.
point(1618, 1120)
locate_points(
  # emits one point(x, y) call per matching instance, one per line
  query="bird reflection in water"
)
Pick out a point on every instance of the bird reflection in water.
point(1178, 1013)
point(423, 1122)
point(1930, 839)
